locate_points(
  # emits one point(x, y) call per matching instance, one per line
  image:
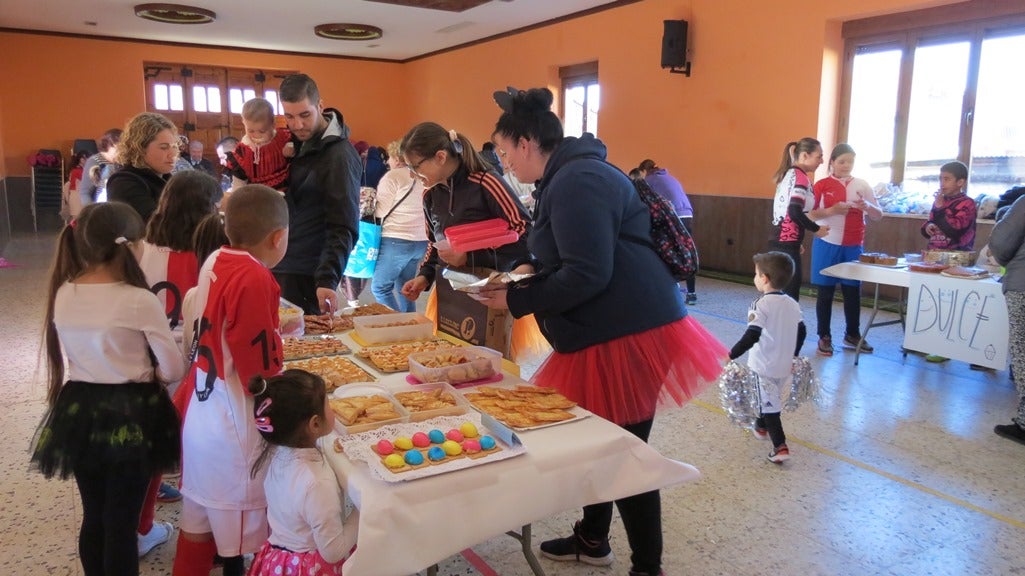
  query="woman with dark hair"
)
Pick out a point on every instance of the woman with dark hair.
point(147, 153)
point(460, 188)
point(607, 303)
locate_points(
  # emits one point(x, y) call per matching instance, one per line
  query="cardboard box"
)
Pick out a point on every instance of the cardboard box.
point(469, 320)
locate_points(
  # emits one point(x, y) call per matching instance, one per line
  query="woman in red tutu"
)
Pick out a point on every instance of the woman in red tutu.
point(607, 303)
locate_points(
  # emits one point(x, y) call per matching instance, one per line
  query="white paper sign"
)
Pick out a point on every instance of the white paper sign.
point(960, 319)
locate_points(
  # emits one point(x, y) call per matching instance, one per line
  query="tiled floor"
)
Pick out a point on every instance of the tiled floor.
point(896, 472)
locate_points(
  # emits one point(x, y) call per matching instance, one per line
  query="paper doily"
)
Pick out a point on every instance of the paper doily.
point(358, 447)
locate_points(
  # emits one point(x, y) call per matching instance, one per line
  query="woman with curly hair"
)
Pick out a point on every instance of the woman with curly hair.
point(147, 153)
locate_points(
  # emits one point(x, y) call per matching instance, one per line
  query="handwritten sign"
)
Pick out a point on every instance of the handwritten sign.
point(960, 319)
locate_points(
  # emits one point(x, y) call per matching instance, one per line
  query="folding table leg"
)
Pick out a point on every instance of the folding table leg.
point(524, 538)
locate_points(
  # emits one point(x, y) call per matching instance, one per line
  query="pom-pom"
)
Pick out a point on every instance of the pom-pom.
point(738, 391)
point(806, 387)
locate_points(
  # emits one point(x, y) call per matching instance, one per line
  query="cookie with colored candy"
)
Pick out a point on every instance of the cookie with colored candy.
point(436, 436)
point(436, 454)
point(469, 430)
point(487, 443)
point(454, 435)
point(403, 443)
point(421, 440)
point(384, 448)
point(451, 448)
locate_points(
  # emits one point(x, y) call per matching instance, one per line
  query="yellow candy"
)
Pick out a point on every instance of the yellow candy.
point(451, 448)
point(468, 430)
point(394, 461)
point(403, 443)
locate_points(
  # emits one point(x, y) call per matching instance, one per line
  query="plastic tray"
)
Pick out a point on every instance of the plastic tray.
point(456, 373)
point(368, 390)
point(290, 318)
point(374, 329)
point(479, 235)
point(461, 406)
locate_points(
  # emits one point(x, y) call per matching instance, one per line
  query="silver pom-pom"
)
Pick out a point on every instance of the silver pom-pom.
point(738, 391)
point(806, 386)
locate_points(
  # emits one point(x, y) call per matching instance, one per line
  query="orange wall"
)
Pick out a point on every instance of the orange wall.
point(764, 73)
point(56, 89)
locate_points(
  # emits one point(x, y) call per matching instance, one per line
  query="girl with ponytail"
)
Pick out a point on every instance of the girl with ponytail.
point(461, 187)
point(111, 423)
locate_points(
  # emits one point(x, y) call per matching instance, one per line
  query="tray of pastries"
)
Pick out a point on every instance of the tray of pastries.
point(881, 259)
point(426, 401)
point(927, 267)
point(372, 309)
point(312, 346)
point(395, 357)
point(408, 451)
point(361, 408)
point(327, 324)
point(523, 407)
point(967, 272)
point(335, 370)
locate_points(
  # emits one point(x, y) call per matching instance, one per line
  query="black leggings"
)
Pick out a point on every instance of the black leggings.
point(773, 424)
point(112, 500)
point(642, 518)
point(851, 308)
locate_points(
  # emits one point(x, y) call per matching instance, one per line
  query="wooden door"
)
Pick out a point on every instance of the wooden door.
point(206, 118)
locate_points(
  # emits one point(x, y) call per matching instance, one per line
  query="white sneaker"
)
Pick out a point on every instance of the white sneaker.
point(160, 533)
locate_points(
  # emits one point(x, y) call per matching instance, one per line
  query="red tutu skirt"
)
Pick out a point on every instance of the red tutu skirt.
point(626, 379)
point(271, 561)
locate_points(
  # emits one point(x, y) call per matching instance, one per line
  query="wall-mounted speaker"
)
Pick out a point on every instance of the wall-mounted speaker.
point(674, 45)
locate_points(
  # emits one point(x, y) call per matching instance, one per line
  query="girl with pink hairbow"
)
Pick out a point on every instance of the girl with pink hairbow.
point(309, 533)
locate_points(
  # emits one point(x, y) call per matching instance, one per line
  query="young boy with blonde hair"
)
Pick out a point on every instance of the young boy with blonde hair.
point(775, 334)
point(262, 155)
point(236, 338)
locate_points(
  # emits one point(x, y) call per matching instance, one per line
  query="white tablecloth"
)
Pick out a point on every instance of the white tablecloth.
point(408, 526)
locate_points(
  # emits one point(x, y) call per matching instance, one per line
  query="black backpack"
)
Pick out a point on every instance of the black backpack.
point(672, 241)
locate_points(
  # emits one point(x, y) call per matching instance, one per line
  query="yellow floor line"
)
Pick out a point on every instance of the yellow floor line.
point(868, 467)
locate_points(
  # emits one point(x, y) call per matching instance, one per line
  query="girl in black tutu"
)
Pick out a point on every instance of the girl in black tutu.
point(111, 423)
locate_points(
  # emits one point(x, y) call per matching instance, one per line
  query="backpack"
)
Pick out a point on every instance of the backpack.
point(672, 241)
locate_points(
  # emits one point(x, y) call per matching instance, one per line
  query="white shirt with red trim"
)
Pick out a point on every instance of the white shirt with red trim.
point(844, 229)
point(237, 338)
point(170, 274)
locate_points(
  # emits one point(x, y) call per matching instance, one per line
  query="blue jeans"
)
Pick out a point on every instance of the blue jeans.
point(397, 263)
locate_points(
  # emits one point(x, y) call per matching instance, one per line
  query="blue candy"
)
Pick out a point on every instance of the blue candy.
point(436, 453)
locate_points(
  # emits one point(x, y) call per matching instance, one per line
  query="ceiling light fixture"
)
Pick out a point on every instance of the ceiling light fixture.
point(348, 31)
point(175, 14)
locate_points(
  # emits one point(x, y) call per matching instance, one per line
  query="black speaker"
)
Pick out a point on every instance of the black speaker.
point(674, 44)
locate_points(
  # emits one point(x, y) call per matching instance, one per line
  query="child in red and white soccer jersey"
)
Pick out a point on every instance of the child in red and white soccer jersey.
point(846, 201)
point(170, 268)
point(237, 338)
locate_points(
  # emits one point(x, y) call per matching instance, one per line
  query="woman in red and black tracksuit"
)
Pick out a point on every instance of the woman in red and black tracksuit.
point(461, 188)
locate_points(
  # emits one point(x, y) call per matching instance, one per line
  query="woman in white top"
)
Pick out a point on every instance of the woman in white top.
point(111, 424)
point(403, 234)
point(308, 533)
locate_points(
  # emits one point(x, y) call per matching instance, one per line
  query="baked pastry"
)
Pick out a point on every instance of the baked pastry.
point(422, 401)
point(868, 257)
point(327, 324)
point(886, 260)
point(354, 410)
point(395, 357)
point(372, 310)
point(929, 267)
point(971, 273)
point(522, 407)
point(297, 348)
point(335, 370)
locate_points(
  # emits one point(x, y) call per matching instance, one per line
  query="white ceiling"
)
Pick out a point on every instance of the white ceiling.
point(287, 25)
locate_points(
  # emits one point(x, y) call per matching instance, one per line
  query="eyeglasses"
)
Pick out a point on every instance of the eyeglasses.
point(415, 168)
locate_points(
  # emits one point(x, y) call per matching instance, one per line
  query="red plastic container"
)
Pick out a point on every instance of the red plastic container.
point(479, 235)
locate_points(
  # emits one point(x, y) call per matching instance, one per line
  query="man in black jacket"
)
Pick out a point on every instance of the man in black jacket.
point(323, 198)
